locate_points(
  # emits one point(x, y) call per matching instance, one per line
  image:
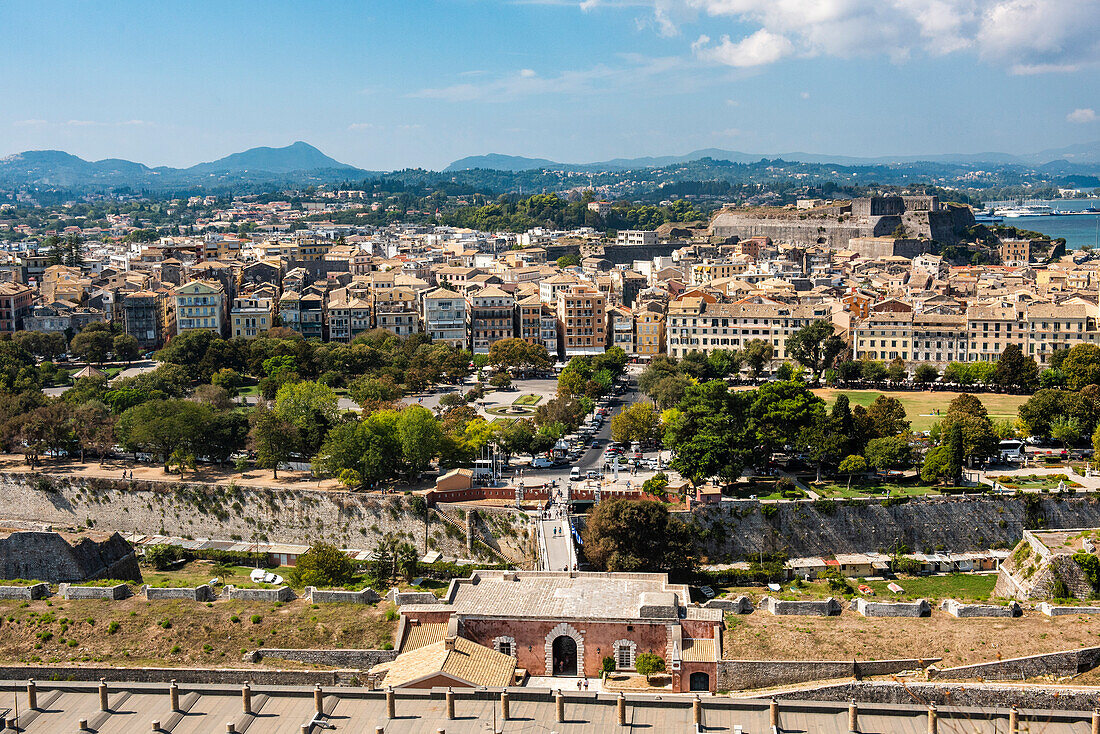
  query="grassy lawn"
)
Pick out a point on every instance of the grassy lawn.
point(964, 587)
point(874, 490)
point(249, 390)
point(200, 572)
point(1034, 481)
point(918, 405)
point(504, 421)
point(961, 586)
point(527, 400)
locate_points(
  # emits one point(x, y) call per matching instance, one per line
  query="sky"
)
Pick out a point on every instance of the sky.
point(385, 85)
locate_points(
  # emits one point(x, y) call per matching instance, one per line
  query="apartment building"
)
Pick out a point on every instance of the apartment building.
point(641, 237)
point(708, 270)
point(304, 313)
point(490, 316)
point(1015, 252)
point(143, 318)
point(649, 328)
point(884, 335)
point(699, 324)
point(939, 338)
point(1051, 327)
point(349, 315)
point(445, 317)
point(252, 314)
point(395, 310)
point(992, 328)
point(582, 321)
point(15, 305)
point(200, 305)
point(620, 329)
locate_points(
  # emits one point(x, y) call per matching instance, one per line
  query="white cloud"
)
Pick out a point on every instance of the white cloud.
point(527, 73)
point(762, 47)
point(1023, 36)
point(804, 95)
point(1082, 115)
point(362, 126)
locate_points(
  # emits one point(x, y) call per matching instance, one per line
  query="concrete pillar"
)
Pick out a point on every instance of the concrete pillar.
point(230, 728)
point(450, 704)
point(246, 698)
point(318, 699)
point(620, 705)
point(305, 728)
point(32, 695)
point(379, 730)
point(773, 711)
point(391, 706)
point(697, 711)
point(853, 716)
point(103, 695)
point(933, 719)
point(154, 726)
point(1096, 721)
point(559, 704)
point(82, 725)
point(174, 695)
point(504, 706)
point(1013, 720)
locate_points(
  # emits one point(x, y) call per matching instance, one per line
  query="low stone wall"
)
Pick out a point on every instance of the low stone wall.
point(339, 596)
point(34, 591)
point(71, 591)
point(205, 592)
point(282, 593)
point(739, 605)
point(812, 608)
point(238, 676)
point(963, 695)
point(1052, 611)
point(868, 608)
point(963, 611)
point(360, 659)
point(739, 675)
point(401, 598)
point(1059, 664)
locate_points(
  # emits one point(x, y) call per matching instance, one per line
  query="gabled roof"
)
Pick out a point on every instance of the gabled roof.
point(462, 660)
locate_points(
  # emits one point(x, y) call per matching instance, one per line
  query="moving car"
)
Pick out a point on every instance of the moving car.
point(541, 462)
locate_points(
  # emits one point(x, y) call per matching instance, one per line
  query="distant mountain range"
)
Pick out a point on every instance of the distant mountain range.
point(299, 163)
point(1081, 154)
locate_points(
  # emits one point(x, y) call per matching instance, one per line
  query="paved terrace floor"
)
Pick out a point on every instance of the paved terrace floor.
point(208, 709)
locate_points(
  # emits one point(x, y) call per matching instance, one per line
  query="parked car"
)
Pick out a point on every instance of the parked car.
point(575, 473)
point(541, 462)
point(593, 474)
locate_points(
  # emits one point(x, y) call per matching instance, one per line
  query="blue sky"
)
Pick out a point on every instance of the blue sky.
point(384, 85)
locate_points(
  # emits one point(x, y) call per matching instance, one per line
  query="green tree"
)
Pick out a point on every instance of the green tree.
point(709, 433)
point(323, 566)
point(125, 348)
point(887, 416)
point(1065, 430)
point(780, 411)
point(815, 346)
point(372, 447)
point(310, 407)
point(891, 452)
point(163, 427)
point(420, 437)
point(852, 464)
point(273, 438)
point(757, 354)
point(1081, 366)
point(639, 422)
point(1016, 370)
point(519, 354)
point(926, 374)
point(649, 664)
point(93, 343)
point(95, 428)
point(568, 260)
point(633, 535)
point(871, 370)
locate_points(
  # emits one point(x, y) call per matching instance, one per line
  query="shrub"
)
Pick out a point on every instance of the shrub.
point(323, 565)
point(257, 618)
point(112, 628)
point(648, 663)
point(607, 665)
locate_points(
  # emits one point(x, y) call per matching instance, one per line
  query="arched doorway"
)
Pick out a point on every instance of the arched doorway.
point(565, 655)
point(699, 682)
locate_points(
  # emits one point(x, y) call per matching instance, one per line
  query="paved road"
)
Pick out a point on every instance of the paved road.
point(559, 546)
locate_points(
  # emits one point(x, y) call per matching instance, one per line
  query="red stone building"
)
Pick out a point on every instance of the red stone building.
point(565, 624)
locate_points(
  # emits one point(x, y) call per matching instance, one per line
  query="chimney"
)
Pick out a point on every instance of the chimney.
point(449, 643)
